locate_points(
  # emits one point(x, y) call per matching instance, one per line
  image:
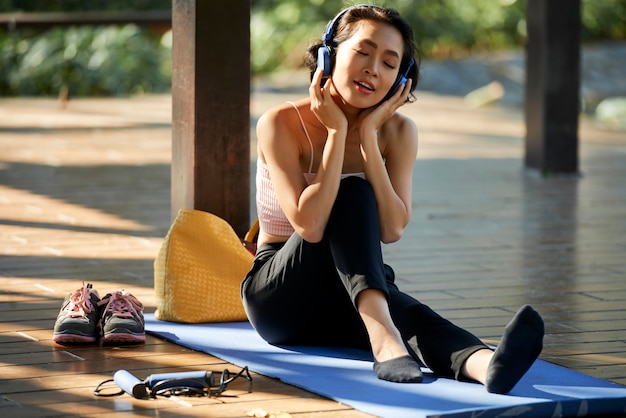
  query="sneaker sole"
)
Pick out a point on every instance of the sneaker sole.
point(124, 337)
point(73, 339)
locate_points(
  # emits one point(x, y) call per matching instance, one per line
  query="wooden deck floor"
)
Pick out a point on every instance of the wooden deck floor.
point(84, 196)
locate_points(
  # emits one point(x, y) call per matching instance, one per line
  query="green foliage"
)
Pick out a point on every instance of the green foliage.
point(276, 40)
point(443, 28)
point(449, 27)
point(111, 60)
point(121, 60)
point(604, 19)
point(85, 60)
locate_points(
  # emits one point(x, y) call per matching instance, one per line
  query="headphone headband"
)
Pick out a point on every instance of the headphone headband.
point(329, 33)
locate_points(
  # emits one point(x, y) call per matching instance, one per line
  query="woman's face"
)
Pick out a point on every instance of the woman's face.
point(367, 63)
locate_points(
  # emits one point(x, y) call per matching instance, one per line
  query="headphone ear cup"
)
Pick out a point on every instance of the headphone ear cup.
point(399, 81)
point(323, 60)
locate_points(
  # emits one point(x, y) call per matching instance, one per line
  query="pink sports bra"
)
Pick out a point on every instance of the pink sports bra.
point(272, 219)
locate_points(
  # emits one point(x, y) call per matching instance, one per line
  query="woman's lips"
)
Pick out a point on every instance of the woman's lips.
point(364, 86)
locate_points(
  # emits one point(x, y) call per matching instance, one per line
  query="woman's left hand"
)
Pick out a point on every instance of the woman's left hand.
point(375, 117)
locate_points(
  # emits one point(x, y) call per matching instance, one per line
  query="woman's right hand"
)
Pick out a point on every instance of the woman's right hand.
point(323, 106)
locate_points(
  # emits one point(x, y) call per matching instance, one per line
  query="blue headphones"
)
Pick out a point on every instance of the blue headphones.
point(324, 53)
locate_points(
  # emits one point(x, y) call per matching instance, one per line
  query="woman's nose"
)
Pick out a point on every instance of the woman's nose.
point(372, 68)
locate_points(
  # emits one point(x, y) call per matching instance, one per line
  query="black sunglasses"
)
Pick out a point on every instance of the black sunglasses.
point(199, 387)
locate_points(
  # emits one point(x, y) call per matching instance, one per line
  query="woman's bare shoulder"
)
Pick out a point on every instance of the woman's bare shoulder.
point(277, 127)
point(400, 128)
point(284, 112)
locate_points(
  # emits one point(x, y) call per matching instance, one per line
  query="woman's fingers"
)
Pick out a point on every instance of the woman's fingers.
point(315, 90)
point(378, 115)
point(322, 104)
point(401, 96)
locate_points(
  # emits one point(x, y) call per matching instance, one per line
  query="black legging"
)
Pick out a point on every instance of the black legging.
point(302, 293)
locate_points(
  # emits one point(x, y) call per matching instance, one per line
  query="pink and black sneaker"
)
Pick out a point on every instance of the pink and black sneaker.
point(122, 318)
point(78, 321)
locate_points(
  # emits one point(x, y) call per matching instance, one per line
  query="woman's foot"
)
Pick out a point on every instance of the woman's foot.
point(400, 369)
point(392, 360)
point(520, 346)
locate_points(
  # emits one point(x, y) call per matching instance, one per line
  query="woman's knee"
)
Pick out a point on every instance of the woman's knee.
point(355, 212)
point(355, 188)
point(355, 193)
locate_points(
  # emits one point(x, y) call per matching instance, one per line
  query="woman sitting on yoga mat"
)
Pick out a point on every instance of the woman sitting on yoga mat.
point(334, 180)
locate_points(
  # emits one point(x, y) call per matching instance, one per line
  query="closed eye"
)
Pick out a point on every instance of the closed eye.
point(365, 54)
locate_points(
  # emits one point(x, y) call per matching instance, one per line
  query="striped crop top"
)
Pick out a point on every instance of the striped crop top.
point(272, 219)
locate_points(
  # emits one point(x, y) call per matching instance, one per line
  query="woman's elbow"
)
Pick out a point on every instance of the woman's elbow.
point(311, 234)
point(391, 236)
point(392, 233)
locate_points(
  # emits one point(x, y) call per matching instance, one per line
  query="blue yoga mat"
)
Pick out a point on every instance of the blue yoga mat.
point(346, 376)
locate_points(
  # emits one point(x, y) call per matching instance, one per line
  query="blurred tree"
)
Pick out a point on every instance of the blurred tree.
point(281, 29)
point(111, 60)
point(280, 32)
point(604, 19)
point(85, 60)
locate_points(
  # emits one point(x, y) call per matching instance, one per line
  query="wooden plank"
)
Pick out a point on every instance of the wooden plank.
point(102, 17)
point(478, 247)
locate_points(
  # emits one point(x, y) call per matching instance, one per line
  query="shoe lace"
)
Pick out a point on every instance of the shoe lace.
point(80, 302)
point(121, 304)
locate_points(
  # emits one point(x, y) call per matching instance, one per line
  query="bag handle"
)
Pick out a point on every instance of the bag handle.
point(250, 240)
point(253, 232)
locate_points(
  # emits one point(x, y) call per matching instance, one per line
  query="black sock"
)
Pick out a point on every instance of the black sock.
point(400, 369)
point(520, 346)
